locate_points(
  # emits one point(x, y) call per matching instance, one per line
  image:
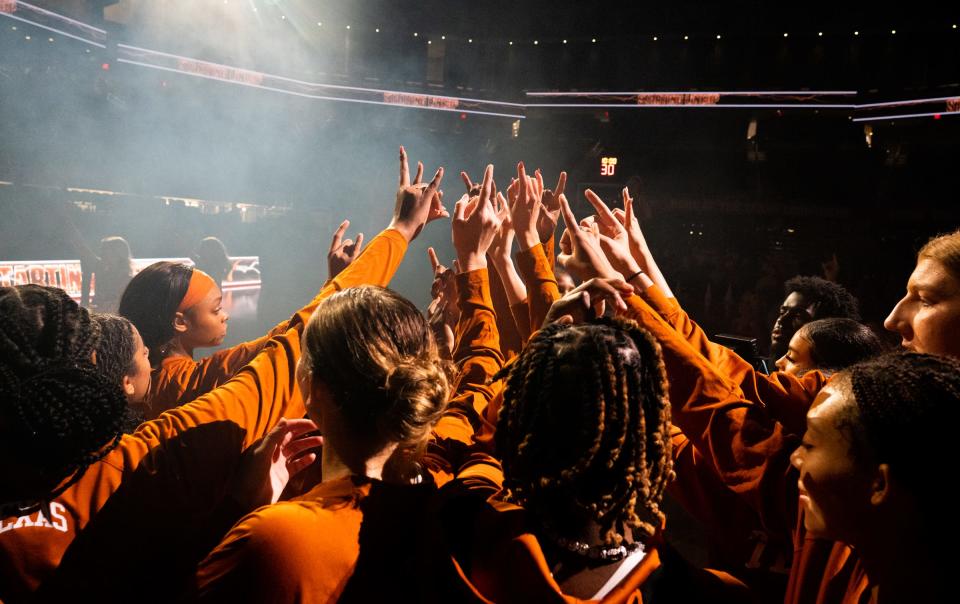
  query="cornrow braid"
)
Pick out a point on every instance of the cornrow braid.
point(56, 412)
point(584, 431)
point(905, 415)
point(51, 429)
point(40, 325)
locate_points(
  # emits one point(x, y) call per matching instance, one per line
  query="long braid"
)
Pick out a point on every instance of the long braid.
point(584, 428)
point(56, 412)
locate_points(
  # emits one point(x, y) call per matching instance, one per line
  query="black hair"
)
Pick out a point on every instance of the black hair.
point(832, 300)
point(584, 431)
point(836, 344)
point(151, 300)
point(905, 415)
point(58, 413)
point(117, 347)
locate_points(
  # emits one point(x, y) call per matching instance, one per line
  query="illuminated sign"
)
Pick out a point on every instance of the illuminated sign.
point(608, 166)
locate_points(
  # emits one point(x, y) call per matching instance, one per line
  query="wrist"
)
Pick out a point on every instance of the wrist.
point(472, 261)
point(408, 231)
point(528, 240)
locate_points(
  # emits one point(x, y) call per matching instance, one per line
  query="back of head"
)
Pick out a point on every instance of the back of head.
point(838, 343)
point(58, 414)
point(115, 254)
point(832, 300)
point(945, 249)
point(212, 258)
point(584, 432)
point(116, 347)
point(905, 415)
point(150, 302)
point(374, 351)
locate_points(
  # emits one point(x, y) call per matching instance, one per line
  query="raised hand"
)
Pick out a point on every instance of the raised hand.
point(627, 218)
point(443, 311)
point(550, 200)
point(475, 224)
point(502, 244)
point(417, 203)
point(587, 301)
point(581, 253)
point(525, 209)
point(473, 188)
point(638, 243)
point(342, 251)
point(614, 239)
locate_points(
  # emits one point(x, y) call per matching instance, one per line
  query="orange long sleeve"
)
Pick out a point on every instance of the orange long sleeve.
point(478, 358)
point(750, 453)
point(309, 549)
point(181, 379)
point(787, 397)
point(179, 462)
point(537, 274)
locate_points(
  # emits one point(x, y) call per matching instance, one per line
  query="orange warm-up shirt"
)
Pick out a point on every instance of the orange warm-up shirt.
point(180, 379)
point(168, 478)
point(356, 538)
point(536, 271)
point(750, 453)
point(199, 443)
point(786, 396)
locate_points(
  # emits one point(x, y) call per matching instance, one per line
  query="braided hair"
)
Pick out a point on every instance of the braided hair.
point(905, 415)
point(584, 431)
point(56, 412)
point(117, 347)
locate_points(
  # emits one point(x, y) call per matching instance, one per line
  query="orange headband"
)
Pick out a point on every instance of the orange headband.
point(200, 285)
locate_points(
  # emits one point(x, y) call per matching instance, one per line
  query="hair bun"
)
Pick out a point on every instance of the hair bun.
point(417, 391)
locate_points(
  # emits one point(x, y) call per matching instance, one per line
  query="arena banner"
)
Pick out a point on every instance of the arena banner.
point(241, 287)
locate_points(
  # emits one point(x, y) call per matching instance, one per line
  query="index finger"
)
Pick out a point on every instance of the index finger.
point(291, 427)
point(338, 235)
point(419, 176)
point(404, 168)
point(603, 212)
point(561, 184)
point(486, 190)
point(568, 216)
point(434, 185)
point(466, 181)
point(434, 261)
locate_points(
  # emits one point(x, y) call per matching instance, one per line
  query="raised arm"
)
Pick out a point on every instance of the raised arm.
point(747, 448)
point(528, 216)
point(477, 351)
point(180, 380)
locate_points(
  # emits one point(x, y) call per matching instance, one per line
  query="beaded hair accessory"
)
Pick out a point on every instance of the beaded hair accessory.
point(604, 553)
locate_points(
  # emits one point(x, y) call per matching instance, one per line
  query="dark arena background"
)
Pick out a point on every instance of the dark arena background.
point(760, 142)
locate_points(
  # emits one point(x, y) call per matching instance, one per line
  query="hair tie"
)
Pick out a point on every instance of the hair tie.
point(200, 285)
